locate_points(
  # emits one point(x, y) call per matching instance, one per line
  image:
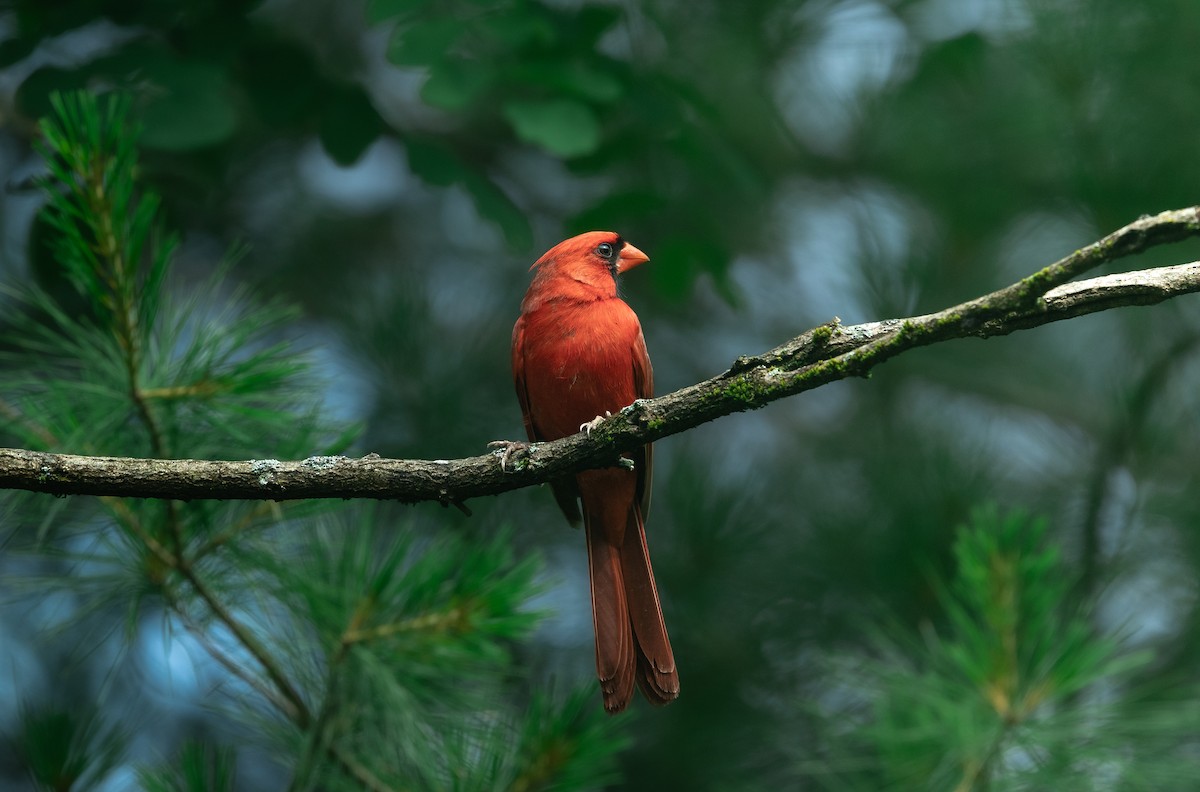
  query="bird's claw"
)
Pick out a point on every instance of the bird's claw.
point(595, 422)
point(509, 447)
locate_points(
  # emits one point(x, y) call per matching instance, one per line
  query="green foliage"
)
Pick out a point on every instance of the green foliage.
point(1010, 692)
point(348, 124)
point(208, 83)
point(184, 103)
point(68, 748)
point(562, 127)
point(781, 162)
point(204, 89)
point(200, 768)
point(194, 108)
point(402, 600)
point(425, 642)
point(568, 745)
point(439, 164)
point(107, 240)
point(205, 376)
point(363, 652)
point(1014, 637)
point(538, 70)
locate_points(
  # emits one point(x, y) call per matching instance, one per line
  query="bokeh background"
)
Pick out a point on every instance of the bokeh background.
point(392, 167)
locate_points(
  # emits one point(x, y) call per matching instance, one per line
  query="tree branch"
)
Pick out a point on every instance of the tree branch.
point(825, 354)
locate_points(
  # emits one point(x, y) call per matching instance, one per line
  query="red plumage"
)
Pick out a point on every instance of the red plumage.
point(578, 353)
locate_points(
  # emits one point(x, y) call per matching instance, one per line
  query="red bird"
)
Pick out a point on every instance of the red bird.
point(578, 354)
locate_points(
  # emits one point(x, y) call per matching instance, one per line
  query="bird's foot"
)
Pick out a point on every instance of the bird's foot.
point(505, 449)
point(595, 422)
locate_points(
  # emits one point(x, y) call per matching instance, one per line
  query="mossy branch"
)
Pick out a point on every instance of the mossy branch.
point(822, 355)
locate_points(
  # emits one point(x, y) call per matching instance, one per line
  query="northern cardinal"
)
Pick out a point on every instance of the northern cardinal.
point(578, 354)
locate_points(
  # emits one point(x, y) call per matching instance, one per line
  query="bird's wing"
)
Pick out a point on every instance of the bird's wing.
point(643, 386)
point(566, 493)
point(518, 369)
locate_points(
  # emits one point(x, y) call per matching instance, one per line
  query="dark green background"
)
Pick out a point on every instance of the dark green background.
point(394, 168)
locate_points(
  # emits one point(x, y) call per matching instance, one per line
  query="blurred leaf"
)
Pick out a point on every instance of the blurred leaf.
point(349, 123)
point(454, 85)
point(493, 204)
point(279, 78)
point(190, 105)
point(383, 10)
point(619, 209)
point(591, 22)
point(16, 49)
point(33, 94)
point(423, 42)
point(590, 82)
point(583, 79)
point(523, 25)
point(434, 162)
point(563, 127)
point(678, 260)
point(959, 59)
point(438, 164)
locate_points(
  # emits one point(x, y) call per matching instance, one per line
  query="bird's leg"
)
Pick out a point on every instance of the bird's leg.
point(509, 447)
point(592, 424)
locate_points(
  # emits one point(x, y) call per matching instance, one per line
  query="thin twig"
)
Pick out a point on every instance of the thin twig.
point(360, 773)
point(428, 621)
point(300, 780)
point(201, 389)
point(302, 716)
point(218, 654)
point(220, 539)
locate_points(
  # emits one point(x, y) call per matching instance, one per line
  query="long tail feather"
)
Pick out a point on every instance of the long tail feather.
point(631, 637)
point(656, 673)
point(615, 658)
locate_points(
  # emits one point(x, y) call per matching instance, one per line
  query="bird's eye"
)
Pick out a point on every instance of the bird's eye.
point(605, 249)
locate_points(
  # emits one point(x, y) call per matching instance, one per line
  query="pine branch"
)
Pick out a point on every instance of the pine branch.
point(297, 709)
point(825, 354)
point(318, 739)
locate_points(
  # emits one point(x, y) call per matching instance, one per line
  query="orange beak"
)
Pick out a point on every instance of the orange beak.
point(630, 257)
